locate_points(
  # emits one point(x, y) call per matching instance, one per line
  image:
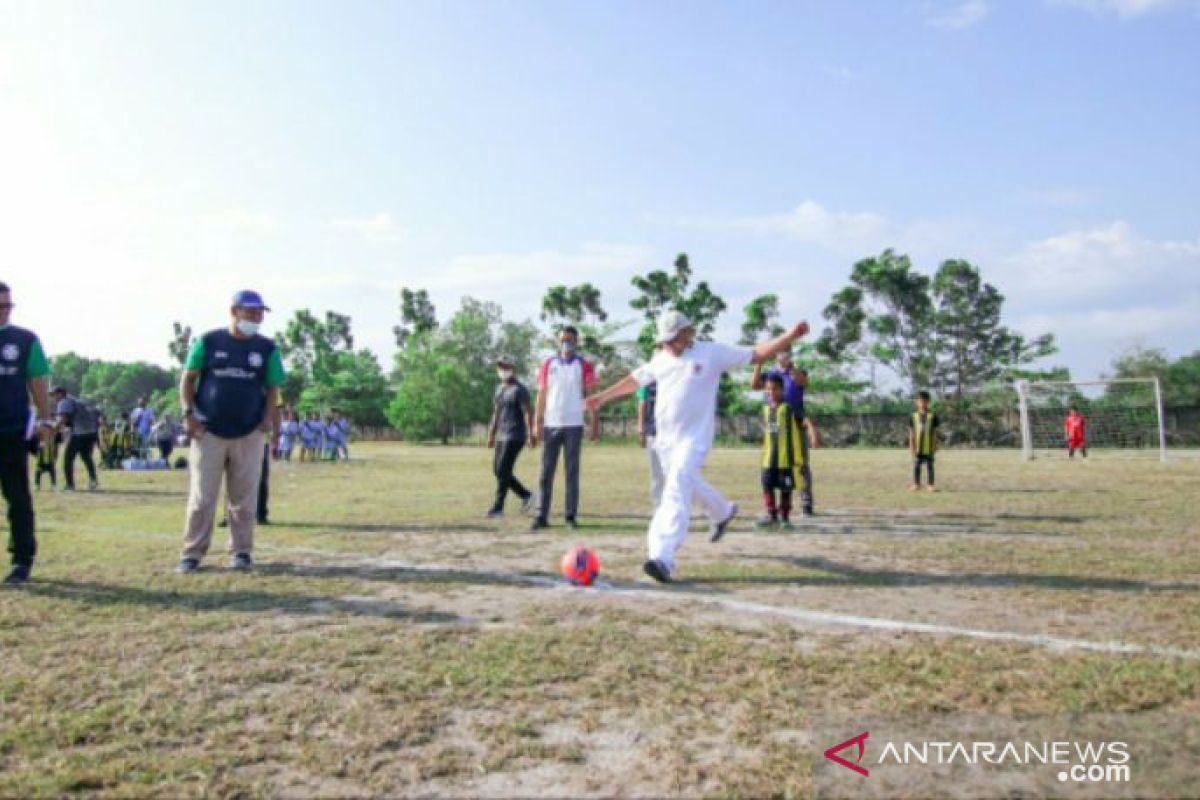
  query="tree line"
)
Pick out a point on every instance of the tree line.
point(890, 331)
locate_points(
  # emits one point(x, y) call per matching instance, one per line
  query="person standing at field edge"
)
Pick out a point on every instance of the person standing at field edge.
point(23, 371)
point(230, 397)
point(688, 374)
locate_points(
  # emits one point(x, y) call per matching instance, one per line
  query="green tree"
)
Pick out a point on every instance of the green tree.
point(582, 307)
point(660, 291)
point(181, 343)
point(69, 370)
point(356, 386)
point(885, 314)
point(1180, 378)
point(972, 347)
point(762, 319)
point(417, 315)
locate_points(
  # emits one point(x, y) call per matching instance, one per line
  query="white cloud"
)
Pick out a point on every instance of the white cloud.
point(1128, 9)
point(958, 16)
point(378, 228)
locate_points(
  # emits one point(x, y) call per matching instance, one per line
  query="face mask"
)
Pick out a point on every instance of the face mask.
point(567, 347)
point(505, 374)
point(247, 328)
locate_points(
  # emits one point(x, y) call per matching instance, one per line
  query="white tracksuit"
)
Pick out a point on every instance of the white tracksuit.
point(685, 419)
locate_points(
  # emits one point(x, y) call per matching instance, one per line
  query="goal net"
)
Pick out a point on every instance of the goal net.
point(1119, 416)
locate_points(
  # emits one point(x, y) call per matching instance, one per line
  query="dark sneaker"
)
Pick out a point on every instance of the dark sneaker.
point(494, 513)
point(68, 488)
point(657, 570)
point(224, 523)
point(187, 565)
point(808, 511)
point(718, 529)
point(241, 561)
point(539, 524)
point(765, 521)
point(93, 485)
point(572, 524)
point(17, 575)
point(263, 521)
point(527, 503)
point(786, 525)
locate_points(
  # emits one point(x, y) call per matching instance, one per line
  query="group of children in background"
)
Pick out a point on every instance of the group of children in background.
point(317, 439)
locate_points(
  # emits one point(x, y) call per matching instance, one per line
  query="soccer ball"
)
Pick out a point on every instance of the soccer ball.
point(580, 566)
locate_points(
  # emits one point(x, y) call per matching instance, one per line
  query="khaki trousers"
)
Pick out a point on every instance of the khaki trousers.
point(240, 462)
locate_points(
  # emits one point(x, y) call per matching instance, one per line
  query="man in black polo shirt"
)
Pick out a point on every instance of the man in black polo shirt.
point(23, 371)
point(230, 397)
point(512, 420)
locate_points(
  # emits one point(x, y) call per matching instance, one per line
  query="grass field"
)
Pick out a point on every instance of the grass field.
point(393, 642)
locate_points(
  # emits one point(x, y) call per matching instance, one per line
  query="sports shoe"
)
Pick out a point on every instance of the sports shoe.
point(17, 575)
point(786, 525)
point(93, 485)
point(808, 511)
point(263, 521)
point(764, 522)
point(241, 561)
point(494, 513)
point(224, 523)
point(527, 503)
point(657, 570)
point(187, 565)
point(539, 524)
point(572, 524)
point(717, 530)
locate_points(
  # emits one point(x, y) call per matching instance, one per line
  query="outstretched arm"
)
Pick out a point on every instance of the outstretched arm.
point(622, 388)
point(769, 349)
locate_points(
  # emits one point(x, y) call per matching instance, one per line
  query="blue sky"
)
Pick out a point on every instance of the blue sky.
point(157, 156)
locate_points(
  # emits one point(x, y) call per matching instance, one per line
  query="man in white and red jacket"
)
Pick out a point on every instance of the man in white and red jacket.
point(558, 420)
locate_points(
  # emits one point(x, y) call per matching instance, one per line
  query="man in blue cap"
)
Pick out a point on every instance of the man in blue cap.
point(230, 398)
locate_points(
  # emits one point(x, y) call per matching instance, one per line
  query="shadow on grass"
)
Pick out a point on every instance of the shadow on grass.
point(843, 575)
point(943, 521)
point(236, 600)
point(372, 527)
point(105, 490)
point(394, 574)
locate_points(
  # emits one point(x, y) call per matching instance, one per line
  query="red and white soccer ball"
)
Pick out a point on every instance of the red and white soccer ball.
point(580, 566)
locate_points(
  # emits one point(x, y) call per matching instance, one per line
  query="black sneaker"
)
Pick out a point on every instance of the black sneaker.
point(241, 562)
point(539, 524)
point(93, 485)
point(657, 570)
point(17, 575)
point(572, 524)
point(527, 503)
point(494, 513)
point(187, 565)
point(808, 511)
point(263, 521)
point(224, 523)
point(718, 529)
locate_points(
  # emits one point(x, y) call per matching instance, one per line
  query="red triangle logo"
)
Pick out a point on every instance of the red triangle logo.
point(832, 753)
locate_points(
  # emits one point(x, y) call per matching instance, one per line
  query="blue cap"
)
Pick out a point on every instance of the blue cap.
point(247, 298)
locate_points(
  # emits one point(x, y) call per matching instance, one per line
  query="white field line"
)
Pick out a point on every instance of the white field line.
point(799, 614)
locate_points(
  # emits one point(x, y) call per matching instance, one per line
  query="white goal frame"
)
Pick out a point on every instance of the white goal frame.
point(1027, 430)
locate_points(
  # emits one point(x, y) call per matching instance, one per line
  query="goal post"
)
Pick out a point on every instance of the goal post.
point(1122, 416)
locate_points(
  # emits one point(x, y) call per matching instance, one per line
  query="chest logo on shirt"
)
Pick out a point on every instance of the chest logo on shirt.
point(697, 369)
point(255, 360)
point(220, 354)
point(11, 352)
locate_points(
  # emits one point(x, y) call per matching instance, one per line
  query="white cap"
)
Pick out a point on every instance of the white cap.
point(669, 326)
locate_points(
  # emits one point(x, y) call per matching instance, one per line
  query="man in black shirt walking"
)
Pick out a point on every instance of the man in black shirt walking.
point(512, 420)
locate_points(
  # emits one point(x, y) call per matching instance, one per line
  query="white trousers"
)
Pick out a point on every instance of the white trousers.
point(657, 477)
point(681, 464)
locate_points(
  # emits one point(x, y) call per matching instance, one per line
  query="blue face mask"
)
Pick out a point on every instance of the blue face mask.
point(567, 347)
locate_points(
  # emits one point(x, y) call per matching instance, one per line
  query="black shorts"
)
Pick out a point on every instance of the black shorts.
point(781, 479)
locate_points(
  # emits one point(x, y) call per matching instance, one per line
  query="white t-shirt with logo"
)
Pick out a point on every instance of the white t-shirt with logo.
point(686, 410)
point(564, 382)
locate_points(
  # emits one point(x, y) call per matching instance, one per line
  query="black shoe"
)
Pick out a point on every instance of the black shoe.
point(539, 524)
point(572, 524)
point(808, 511)
point(264, 521)
point(527, 503)
point(656, 570)
point(17, 575)
point(718, 530)
point(187, 565)
point(224, 523)
point(241, 562)
point(494, 513)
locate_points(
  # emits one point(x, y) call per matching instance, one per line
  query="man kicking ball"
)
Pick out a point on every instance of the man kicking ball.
point(688, 374)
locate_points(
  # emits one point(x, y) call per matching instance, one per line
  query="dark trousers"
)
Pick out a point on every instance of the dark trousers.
point(49, 469)
point(785, 481)
point(264, 484)
point(503, 462)
point(81, 444)
point(14, 482)
point(166, 447)
point(570, 441)
point(928, 462)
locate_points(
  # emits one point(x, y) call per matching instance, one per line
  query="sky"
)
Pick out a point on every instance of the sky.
point(156, 157)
